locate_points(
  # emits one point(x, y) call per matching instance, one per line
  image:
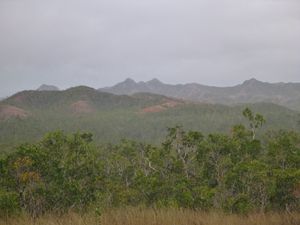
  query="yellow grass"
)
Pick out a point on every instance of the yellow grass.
point(136, 216)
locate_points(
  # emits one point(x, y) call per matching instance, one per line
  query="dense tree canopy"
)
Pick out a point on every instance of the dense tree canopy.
point(238, 172)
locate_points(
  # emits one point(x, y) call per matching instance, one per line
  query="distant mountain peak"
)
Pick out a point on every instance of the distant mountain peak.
point(251, 81)
point(250, 91)
point(129, 81)
point(45, 87)
point(154, 81)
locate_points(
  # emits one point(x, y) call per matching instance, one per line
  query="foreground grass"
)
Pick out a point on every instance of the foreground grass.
point(158, 217)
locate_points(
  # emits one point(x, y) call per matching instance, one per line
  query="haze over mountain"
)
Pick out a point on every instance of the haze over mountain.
point(28, 115)
point(250, 91)
point(45, 87)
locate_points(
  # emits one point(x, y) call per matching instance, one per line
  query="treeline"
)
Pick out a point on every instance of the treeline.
point(237, 173)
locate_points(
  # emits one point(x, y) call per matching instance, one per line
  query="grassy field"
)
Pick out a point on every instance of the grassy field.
point(137, 216)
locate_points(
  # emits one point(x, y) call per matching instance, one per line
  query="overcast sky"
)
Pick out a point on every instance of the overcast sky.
point(101, 42)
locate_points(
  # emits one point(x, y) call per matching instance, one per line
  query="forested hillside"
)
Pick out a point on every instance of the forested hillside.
point(28, 115)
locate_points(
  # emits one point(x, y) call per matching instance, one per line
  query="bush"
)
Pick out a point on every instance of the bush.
point(9, 203)
point(239, 204)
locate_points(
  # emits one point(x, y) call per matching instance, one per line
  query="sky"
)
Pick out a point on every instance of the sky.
point(101, 42)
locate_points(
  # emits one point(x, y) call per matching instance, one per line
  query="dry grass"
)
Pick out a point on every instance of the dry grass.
point(136, 216)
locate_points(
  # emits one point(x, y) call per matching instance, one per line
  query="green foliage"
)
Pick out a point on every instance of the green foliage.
point(255, 121)
point(8, 203)
point(285, 195)
point(55, 174)
point(235, 172)
point(238, 204)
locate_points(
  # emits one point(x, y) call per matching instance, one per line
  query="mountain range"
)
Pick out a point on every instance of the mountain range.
point(28, 115)
point(250, 91)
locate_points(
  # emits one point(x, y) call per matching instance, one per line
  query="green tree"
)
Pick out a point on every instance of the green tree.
point(55, 174)
point(255, 120)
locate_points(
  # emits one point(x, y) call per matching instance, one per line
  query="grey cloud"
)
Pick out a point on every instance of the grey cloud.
point(100, 42)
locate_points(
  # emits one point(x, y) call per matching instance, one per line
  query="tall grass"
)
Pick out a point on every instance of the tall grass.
point(138, 216)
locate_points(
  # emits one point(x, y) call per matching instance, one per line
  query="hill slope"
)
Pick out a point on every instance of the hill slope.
point(251, 91)
point(28, 115)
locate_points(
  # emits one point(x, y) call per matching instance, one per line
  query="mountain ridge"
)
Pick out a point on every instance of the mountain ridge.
point(28, 115)
point(250, 91)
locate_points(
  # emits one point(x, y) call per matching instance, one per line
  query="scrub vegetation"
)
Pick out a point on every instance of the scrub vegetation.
point(242, 177)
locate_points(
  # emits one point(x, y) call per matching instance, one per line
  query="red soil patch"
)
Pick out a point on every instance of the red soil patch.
point(162, 107)
point(153, 109)
point(7, 112)
point(82, 107)
point(171, 104)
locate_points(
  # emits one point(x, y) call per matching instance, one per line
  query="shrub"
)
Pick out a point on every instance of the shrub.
point(9, 203)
